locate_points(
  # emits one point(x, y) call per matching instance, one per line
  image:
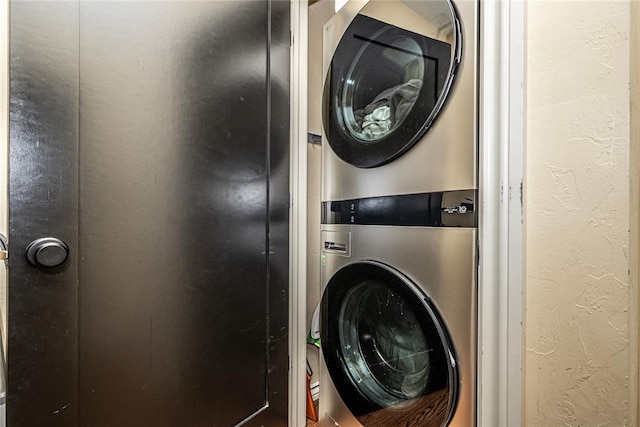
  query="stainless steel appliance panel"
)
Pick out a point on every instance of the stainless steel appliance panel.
point(446, 156)
point(443, 263)
point(181, 119)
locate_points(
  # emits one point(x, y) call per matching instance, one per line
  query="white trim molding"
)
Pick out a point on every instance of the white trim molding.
point(298, 215)
point(501, 271)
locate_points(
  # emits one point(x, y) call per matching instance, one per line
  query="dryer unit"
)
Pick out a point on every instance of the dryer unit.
point(398, 315)
point(399, 101)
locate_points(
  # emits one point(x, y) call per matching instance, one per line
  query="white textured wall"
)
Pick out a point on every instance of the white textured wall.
point(577, 213)
point(634, 374)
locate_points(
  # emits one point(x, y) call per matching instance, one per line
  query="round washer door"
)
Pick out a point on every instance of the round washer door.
point(385, 85)
point(386, 348)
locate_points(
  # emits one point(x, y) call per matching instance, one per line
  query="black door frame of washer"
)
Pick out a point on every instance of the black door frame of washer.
point(435, 403)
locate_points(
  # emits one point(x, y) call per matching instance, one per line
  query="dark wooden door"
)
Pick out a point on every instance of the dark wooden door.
point(150, 138)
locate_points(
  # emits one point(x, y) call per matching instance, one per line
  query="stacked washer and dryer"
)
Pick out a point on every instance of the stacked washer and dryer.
point(399, 218)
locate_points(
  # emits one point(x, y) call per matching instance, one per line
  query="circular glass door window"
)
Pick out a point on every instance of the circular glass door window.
point(385, 85)
point(373, 109)
point(386, 349)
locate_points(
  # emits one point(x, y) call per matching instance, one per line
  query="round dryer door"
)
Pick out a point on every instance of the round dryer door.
point(386, 349)
point(385, 84)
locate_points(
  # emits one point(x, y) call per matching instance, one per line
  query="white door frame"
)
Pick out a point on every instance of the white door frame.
point(298, 215)
point(501, 273)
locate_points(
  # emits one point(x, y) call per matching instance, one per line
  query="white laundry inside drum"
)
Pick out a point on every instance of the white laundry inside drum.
point(387, 110)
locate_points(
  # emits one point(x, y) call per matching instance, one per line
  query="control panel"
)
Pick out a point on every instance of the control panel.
point(439, 209)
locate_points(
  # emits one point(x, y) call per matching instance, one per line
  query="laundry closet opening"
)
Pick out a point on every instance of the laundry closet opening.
point(394, 104)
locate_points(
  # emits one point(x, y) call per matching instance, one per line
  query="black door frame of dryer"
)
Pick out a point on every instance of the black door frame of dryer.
point(386, 348)
point(363, 75)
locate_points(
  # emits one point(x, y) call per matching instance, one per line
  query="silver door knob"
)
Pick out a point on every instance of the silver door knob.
point(47, 252)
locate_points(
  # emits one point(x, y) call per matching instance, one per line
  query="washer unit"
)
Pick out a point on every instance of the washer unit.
point(399, 101)
point(399, 224)
point(398, 316)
